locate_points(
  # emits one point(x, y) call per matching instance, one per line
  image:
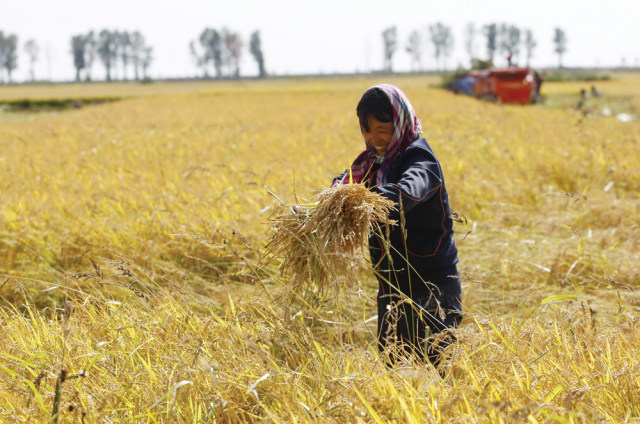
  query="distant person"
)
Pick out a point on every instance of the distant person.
point(595, 92)
point(537, 79)
point(583, 97)
point(583, 94)
point(581, 104)
point(419, 295)
point(510, 63)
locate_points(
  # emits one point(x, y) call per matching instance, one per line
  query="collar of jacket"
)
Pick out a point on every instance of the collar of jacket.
point(419, 143)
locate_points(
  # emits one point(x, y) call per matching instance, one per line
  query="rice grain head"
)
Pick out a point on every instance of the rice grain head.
point(324, 244)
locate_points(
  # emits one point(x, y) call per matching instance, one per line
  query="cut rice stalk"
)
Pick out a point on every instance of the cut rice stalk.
point(325, 243)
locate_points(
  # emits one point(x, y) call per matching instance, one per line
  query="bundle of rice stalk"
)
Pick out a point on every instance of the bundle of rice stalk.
point(325, 243)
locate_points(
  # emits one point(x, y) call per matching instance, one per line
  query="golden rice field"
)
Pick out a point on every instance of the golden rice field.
point(134, 285)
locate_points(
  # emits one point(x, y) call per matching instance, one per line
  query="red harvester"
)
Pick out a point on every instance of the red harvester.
point(509, 85)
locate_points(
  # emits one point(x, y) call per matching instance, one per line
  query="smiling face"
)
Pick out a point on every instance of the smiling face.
point(376, 119)
point(378, 134)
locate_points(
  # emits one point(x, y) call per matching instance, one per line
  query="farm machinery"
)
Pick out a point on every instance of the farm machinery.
point(508, 85)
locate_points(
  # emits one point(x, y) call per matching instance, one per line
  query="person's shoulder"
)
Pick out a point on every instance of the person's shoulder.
point(419, 146)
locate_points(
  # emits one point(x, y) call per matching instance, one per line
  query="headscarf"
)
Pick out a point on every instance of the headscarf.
point(406, 128)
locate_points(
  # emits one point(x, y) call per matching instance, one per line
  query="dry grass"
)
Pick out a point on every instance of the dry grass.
point(178, 320)
point(324, 244)
point(137, 360)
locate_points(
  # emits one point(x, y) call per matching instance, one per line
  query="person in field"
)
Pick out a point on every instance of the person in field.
point(419, 296)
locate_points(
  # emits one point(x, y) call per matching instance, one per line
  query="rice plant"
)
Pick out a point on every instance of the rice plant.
point(135, 284)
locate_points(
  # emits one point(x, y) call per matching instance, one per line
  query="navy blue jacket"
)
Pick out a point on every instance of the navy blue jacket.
point(416, 178)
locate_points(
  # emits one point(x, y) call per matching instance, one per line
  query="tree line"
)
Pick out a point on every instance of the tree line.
point(220, 51)
point(216, 52)
point(129, 49)
point(503, 39)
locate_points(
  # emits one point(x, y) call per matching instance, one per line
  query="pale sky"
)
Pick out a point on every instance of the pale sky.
point(302, 36)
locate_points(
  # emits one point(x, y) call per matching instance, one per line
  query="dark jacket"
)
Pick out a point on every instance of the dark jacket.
point(417, 178)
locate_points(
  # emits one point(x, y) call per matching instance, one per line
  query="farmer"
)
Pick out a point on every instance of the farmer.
point(419, 293)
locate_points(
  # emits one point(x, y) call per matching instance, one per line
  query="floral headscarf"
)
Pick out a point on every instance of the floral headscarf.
point(406, 128)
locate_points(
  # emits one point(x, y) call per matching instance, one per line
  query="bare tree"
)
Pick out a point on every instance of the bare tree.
point(442, 40)
point(529, 44)
point(138, 47)
point(201, 59)
point(491, 33)
point(223, 50)
point(78, 44)
point(470, 36)
point(107, 50)
point(145, 61)
point(116, 54)
point(390, 38)
point(211, 46)
point(560, 41)
point(32, 49)
point(414, 48)
point(8, 53)
point(233, 47)
point(90, 50)
point(255, 47)
point(215, 50)
point(3, 52)
point(124, 50)
point(3, 49)
point(509, 41)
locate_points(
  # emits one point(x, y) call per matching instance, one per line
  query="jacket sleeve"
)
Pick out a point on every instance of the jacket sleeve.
point(419, 179)
point(339, 178)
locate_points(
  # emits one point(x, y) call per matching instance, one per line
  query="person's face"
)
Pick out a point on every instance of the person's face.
point(379, 134)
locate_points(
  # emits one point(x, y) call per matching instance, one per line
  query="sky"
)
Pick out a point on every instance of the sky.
point(325, 36)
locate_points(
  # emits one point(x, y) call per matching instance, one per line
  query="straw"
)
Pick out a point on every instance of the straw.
point(325, 243)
